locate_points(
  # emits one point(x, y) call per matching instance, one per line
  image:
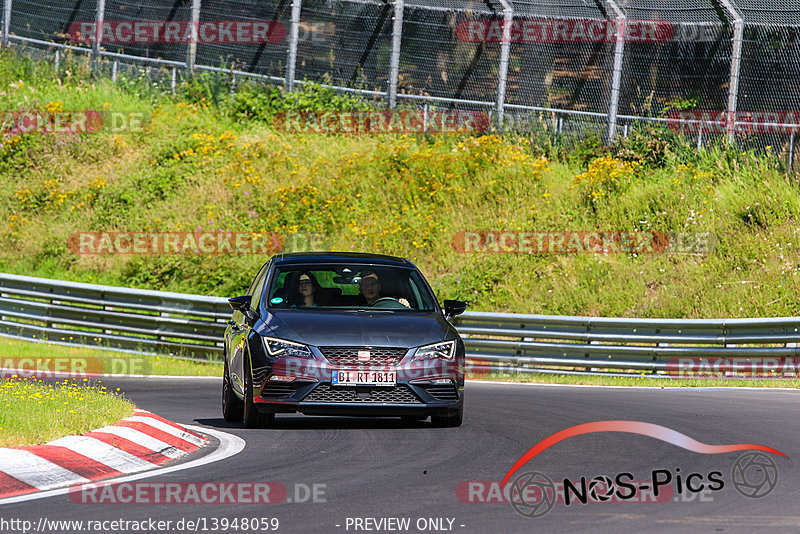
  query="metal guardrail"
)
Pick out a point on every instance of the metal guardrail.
point(553, 343)
point(192, 325)
point(113, 317)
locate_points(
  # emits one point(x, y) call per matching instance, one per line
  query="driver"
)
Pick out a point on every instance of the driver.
point(369, 288)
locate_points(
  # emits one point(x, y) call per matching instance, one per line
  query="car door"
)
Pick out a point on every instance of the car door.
point(240, 331)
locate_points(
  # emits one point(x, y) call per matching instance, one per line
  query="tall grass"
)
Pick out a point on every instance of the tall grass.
point(206, 160)
point(32, 411)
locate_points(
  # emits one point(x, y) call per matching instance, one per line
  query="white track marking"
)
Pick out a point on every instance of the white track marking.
point(140, 438)
point(36, 471)
point(104, 453)
point(169, 429)
point(230, 445)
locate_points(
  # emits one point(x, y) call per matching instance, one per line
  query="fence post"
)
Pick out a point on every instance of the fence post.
point(191, 52)
point(99, 19)
point(394, 62)
point(616, 77)
point(736, 61)
point(294, 36)
point(505, 50)
point(6, 21)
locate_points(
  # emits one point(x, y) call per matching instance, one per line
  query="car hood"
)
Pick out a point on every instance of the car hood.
point(382, 329)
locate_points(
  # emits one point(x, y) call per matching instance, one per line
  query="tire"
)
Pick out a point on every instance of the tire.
point(251, 417)
point(232, 407)
point(448, 421)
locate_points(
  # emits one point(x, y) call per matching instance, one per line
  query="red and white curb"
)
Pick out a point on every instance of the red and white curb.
point(138, 443)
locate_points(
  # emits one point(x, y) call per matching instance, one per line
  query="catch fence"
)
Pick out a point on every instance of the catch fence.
point(711, 69)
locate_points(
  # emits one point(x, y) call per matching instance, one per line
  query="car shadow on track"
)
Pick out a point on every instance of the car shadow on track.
point(316, 422)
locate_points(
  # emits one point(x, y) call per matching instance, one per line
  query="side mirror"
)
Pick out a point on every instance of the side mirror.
point(240, 304)
point(454, 307)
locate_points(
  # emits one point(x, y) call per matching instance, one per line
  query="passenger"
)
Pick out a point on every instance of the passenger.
point(307, 290)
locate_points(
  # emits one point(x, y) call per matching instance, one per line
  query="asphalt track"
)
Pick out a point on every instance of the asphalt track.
point(381, 468)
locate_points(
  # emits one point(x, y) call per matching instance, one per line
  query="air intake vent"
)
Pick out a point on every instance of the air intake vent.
point(281, 389)
point(396, 395)
point(443, 393)
point(348, 356)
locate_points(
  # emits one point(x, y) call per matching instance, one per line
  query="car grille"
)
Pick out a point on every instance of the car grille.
point(443, 393)
point(395, 395)
point(348, 356)
point(281, 389)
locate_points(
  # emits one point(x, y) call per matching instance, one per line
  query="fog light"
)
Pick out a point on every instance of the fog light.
point(279, 378)
point(431, 381)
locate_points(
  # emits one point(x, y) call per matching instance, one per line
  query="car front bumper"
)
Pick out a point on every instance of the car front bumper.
point(422, 388)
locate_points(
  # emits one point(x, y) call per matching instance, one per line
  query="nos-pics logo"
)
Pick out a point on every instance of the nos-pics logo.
point(534, 494)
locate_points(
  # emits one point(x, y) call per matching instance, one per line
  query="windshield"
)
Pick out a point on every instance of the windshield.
point(349, 287)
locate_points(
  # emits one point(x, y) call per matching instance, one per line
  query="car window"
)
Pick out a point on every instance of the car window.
point(258, 277)
point(259, 289)
point(349, 287)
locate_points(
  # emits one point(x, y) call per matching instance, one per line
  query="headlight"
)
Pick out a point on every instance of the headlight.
point(280, 347)
point(445, 350)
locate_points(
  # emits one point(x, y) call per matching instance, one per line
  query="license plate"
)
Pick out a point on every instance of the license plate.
point(364, 378)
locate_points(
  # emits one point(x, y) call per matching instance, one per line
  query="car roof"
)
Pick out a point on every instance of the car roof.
point(344, 257)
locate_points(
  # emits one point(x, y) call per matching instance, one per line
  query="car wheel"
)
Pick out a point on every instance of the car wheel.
point(231, 404)
point(252, 417)
point(448, 421)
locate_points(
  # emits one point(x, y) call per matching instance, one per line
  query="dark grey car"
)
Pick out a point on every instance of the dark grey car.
point(342, 334)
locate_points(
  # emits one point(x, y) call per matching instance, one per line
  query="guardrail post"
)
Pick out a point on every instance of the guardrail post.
point(294, 36)
point(99, 19)
point(505, 51)
point(616, 77)
point(394, 61)
point(736, 61)
point(191, 52)
point(6, 21)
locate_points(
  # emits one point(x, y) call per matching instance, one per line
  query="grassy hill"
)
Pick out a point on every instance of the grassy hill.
point(204, 160)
